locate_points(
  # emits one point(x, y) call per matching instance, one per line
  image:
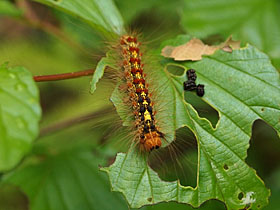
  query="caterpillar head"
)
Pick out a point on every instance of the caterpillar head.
point(152, 141)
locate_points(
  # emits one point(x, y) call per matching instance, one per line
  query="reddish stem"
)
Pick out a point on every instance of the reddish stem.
point(70, 75)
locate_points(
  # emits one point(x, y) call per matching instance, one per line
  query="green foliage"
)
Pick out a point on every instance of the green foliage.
point(140, 6)
point(253, 21)
point(62, 172)
point(69, 181)
point(223, 173)
point(19, 114)
point(102, 15)
point(8, 9)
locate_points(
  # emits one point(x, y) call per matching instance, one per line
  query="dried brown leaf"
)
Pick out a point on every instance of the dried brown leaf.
point(195, 48)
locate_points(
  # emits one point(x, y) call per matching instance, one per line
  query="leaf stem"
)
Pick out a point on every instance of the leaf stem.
point(55, 77)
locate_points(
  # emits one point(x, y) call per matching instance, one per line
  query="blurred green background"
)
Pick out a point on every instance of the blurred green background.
point(78, 126)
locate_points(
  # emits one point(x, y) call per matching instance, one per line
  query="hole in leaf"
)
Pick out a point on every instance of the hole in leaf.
point(240, 195)
point(264, 151)
point(259, 206)
point(203, 109)
point(226, 167)
point(247, 206)
point(176, 70)
point(262, 109)
point(178, 160)
point(150, 199)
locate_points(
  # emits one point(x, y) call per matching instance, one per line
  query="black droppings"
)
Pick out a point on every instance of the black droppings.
point(200, 90)
point(190, 84)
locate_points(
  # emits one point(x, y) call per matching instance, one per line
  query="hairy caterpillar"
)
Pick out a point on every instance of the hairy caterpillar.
point(148, 133)
point(140, 101)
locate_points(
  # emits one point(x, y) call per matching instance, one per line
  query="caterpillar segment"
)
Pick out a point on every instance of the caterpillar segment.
point(149, 135)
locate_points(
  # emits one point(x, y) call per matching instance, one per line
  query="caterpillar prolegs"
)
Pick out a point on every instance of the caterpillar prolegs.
point(148, 133)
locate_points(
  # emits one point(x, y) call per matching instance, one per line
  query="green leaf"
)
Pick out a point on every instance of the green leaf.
point(243, 86)
point(20, 113)
point(102, 15)
point(8, 9)
point(209, 205)
point(253, 21)
point(99, 71)
point(68, 181)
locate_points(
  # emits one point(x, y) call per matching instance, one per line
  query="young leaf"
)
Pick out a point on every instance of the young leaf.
point(99, 71)
point(243, 86)
point(67, 181)
point(102, 15)
point(20, 113)
point(253, 21)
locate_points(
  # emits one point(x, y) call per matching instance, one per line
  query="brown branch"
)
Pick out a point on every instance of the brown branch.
point(63, 76)
point(74, 121)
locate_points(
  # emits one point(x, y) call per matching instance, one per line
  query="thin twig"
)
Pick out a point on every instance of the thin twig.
point(63, 76)
point(74, 121)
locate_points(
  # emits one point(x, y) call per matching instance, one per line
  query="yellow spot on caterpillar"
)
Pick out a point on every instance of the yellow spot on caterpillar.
point(147, 115)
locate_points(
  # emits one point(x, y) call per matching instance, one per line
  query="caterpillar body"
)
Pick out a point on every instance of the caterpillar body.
point(148, 133)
